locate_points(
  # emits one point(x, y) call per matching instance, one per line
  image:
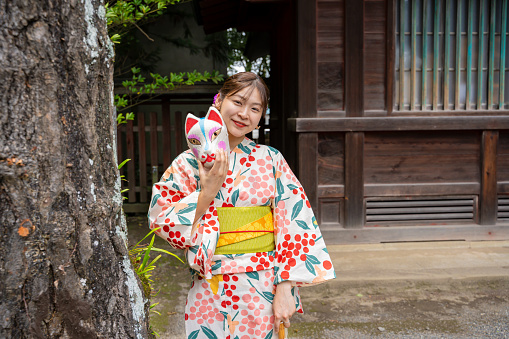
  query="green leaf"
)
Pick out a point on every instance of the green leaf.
point(184, 220)
point(235, 197)
point(268, 295)
point(312, 259)
point(302, 224)
point(217, 265)
point(167, 252)
point(149, 233)
point(190, 208)
point(243, 148)
point(192, 162)
point(147, 254)
point(123, 163)
point(269, 335)
point(280, 187)
point(194, 334)
point(310, 267)
point(292, 187)
point(154, 200)
point(296, 209)
point(208, 332)
point(253, 275)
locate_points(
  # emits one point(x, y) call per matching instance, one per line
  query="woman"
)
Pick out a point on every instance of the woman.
point(241, 288)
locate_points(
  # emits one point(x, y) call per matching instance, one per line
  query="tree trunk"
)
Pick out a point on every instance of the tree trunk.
point(64, 265)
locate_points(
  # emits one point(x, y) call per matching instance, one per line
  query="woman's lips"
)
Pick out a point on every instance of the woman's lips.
point(239, 124)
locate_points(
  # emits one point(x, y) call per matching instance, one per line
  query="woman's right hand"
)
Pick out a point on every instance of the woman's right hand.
point(212, 179)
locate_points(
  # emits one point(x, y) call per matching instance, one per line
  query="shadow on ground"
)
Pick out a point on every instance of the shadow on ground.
point(452, 308)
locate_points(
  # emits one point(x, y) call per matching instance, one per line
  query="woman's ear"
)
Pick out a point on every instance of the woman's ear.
point(217, 102)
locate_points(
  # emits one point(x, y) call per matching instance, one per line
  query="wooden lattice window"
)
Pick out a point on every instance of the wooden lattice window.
point(461, 71)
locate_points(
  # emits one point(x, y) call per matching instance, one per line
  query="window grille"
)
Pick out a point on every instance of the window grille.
point(442, 70)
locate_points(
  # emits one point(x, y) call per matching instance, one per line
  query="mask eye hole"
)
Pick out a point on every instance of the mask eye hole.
point(194, 141)
point(216, 133)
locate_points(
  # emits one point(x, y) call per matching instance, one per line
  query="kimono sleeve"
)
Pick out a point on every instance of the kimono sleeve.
point(173, 209)
point(173, 204)
point(301, 255)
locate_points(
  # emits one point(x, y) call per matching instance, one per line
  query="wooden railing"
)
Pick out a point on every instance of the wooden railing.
point(149, 157)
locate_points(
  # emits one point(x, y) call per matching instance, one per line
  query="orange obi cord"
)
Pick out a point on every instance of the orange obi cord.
point(255, 235)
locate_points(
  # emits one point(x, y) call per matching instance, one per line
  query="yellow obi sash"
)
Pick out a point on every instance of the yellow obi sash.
point(255, 234)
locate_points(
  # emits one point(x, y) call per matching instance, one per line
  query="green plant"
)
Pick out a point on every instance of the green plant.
point(137, 87)
point(122, 177)
point(139, 255)
point(124, 15)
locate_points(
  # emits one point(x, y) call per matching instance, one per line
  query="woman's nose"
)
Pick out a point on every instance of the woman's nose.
point(243, 112)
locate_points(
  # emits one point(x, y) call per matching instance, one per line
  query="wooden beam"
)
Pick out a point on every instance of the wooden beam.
point(354, 180)
point(443, 123)
point(488, 202)
point(354, 58)
point(335, 234)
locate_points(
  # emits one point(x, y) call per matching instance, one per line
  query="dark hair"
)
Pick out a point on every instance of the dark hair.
point(239, 81)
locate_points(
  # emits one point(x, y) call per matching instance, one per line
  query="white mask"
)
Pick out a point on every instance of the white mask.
point(206, 136)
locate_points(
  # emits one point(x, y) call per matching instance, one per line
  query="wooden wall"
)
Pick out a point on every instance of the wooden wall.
point(380, 175)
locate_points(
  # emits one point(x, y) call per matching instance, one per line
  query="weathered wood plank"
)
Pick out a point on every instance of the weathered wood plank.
point(131, 177)
point(330, 158)
point(331, 191)
point(421, 168)
point(153, 148)
point(354, 58)
point(488, 197)
point(422, 189)
point(178, 132)
point(166, 117)
point(143, 157)
point(398, 123)
point(390, 55)
point(399, 190)
point(374, 71)
point(306, 51)
point(354, 180)
point(424, 143)
point(413, 203)
point(411, 217)
point(418, 210)
point(329, 55)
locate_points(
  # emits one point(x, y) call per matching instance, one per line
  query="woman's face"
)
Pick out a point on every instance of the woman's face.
point(241, 112)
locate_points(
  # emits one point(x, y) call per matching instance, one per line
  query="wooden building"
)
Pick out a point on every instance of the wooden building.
point(386, 148)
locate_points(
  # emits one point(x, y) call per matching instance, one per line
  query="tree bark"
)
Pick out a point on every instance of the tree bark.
point(64, 265)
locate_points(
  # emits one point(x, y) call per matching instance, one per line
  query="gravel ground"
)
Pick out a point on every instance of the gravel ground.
point(452, 308)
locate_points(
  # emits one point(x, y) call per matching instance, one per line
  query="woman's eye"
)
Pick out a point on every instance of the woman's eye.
point(236, 102)
point(195, 141)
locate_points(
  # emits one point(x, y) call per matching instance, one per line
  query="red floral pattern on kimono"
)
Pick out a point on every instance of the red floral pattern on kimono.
point(231, 295)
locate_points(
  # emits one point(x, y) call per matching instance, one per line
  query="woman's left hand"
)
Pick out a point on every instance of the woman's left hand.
point(283, 305)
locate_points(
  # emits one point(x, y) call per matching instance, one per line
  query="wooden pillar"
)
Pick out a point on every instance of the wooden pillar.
point(354, 107)
point(488, 204)
point(307, 84)
point(354, 180)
